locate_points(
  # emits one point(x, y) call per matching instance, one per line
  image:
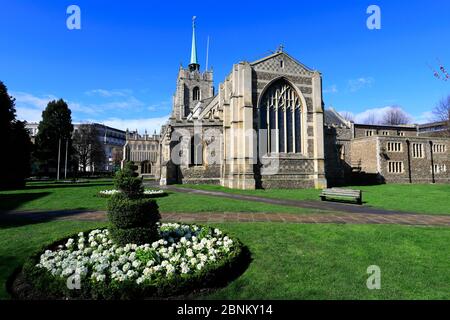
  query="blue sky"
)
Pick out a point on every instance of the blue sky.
point(121, 67)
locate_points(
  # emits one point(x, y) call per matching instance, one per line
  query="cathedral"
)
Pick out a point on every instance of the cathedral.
point(266, 127)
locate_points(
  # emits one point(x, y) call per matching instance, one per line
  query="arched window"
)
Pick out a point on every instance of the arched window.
point(196, 94)
point(280, 111)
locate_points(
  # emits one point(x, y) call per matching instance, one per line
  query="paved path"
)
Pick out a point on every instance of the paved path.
point(308, 204)
point(339, 218)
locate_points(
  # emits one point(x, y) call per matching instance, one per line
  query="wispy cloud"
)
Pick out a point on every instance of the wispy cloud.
point(375, 114)
point(355, 85)
point(163, 105)
point(332, 89)
point(29, 107)
point(129, 103)
point(109, 93)
point(424, 117)
point(149, 124)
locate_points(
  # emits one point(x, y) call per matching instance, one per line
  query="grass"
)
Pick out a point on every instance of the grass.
point(331, 261)
point(425, 199)
point(292, 261)
point(53, 196)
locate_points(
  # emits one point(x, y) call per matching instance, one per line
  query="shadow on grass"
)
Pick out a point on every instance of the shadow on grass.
point(70, 185)
point(12, 220)
point(12, 201)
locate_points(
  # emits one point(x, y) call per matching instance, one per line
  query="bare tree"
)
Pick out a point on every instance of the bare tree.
point(117, 156)
point(442, 112)
point(370, 119)
point(442, 74)
point(395, 116)
point(348, 116)
point(89, 150)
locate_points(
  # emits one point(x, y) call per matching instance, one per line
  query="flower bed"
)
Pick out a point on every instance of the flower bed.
point(147, 193)
point(186, 258)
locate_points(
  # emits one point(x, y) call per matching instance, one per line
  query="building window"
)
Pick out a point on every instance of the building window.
point(280, 113)
point(440, 168)
point(401, 133)
point(394, 147)
point(146, 167)
point(369, 133)
point(439, 148)
point(196, 94)
point(385, 133)
point(417, 150)
point(395, 167)
point(196, 151)
point(281, 64)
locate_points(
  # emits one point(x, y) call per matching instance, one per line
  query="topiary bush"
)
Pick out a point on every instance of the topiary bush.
point(133, 218)
point(128, 182)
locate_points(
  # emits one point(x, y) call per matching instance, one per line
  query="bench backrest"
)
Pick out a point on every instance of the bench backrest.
point(343, 192)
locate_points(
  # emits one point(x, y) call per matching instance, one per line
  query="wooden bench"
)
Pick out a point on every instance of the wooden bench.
point(341, 194)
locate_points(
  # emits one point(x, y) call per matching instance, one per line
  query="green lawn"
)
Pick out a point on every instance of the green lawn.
point(56, 196)
point(426, 199)
point(292, 261)
point(52, 196)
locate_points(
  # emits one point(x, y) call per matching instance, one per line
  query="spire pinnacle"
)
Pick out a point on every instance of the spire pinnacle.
point(193, 65)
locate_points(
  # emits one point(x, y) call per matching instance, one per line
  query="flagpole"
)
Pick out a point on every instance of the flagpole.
point(59, 158)
point(65, 169)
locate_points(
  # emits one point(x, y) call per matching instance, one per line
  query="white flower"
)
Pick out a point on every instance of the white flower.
point(126, 267)
point(179, 251)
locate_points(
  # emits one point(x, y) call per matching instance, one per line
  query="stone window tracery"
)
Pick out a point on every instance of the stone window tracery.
point(280, 116)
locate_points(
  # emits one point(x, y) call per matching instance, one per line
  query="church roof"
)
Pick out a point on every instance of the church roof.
point(278, 54)
point(333, 118)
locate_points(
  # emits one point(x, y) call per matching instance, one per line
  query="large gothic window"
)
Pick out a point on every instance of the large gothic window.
point(280, 111)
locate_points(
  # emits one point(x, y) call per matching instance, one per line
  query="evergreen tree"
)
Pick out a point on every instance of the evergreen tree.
point(15, 162)
point(55, 127)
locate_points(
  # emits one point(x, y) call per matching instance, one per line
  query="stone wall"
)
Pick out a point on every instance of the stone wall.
point(289, 171)
point(186, 82)
point(364, 154)
point(307, 168)
point(416, 169)
point(407, 162)
point(361, 131)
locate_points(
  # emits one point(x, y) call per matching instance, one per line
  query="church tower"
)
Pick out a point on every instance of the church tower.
point(193, 86)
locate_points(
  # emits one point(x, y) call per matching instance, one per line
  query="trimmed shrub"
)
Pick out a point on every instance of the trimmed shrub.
point(133, 235)
point(125, 213)
point(133, 218)
point(127, 181)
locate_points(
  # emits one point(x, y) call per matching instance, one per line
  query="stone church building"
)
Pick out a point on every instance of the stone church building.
point(266, 127)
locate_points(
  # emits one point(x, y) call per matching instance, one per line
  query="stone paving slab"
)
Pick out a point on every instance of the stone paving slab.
point(244, 217)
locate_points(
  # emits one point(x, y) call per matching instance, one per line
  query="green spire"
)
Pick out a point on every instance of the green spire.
point(194, 62)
